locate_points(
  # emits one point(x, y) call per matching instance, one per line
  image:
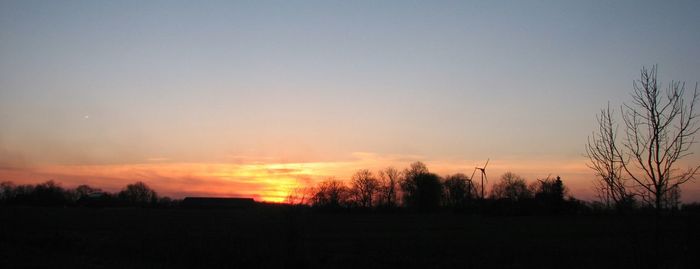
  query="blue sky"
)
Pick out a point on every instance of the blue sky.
point(122, 82)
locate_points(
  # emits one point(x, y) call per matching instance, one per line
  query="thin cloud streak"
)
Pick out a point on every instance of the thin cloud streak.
point(274, 181)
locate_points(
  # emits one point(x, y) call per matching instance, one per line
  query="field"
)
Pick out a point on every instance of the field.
point(277, 237)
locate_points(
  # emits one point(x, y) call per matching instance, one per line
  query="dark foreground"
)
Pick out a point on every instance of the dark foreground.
point(268, 237)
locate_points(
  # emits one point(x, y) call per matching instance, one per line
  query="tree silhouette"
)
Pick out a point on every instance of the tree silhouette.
point(549, 194)
point(549, 189)
point(672, 198)
point(299, 195)
point(83, 191)
point(330, 193)
point(364, 187)
point(138, 194)
point(602, 152)
point(458, 190)
point(389, 179)
point(421, 189)
point(7, 191)
point(511, 187)
point(49, 193)
point(659, 130)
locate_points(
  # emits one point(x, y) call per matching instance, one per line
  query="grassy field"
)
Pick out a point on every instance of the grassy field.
point(269, 237)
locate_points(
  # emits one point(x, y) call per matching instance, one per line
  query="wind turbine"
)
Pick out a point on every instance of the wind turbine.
point(483, 176)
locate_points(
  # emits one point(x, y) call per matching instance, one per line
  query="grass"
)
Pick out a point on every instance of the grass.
point(276, 237)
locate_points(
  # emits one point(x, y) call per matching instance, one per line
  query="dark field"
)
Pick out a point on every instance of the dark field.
point(269, 237)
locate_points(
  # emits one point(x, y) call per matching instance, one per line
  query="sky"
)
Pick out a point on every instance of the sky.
point(255, 98)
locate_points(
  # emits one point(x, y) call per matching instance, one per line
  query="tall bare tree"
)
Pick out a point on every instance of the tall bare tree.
point(389, 180)
point(603, 154)
point(364, 187)
point(660, 128)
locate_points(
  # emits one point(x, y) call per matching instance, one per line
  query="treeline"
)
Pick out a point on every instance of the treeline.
point(51, 193)
point(418, 189)
point(412, 189)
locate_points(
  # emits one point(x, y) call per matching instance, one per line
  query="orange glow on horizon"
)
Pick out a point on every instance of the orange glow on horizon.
point(273, 182)
point(263, 182)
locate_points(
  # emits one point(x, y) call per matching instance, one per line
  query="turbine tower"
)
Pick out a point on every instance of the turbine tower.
point(483, 176)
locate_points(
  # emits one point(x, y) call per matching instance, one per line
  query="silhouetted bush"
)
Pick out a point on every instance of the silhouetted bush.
point(573, 206)
point(100, 199)
point(167, 202)
point(7, 192)
point(505, 206)
point(691, 208)
point(549, 195)
point(22, 194)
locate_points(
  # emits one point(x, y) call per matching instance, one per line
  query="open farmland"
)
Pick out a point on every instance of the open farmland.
point(276, 237)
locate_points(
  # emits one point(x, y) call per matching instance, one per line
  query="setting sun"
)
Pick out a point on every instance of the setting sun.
point(349, 134)
point(246, 99)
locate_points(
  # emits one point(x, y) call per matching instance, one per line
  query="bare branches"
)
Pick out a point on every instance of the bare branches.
point(364, 187)
point(389, 179)
point(660, 128)
point(605, 160)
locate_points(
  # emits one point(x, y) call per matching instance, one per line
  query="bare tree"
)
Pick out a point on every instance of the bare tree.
point(364, 186)
point(389, 180)
point(138, 194)
point(512, 187)
point(660, 129)
point(330, 193)
point(299, 196)
point(603, 154)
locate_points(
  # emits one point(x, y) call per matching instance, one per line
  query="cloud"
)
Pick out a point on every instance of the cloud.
point(12, 160)
point(157, 159)
point(274, 181)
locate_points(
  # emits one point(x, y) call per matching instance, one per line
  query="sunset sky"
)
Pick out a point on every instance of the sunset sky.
point(254, 98)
